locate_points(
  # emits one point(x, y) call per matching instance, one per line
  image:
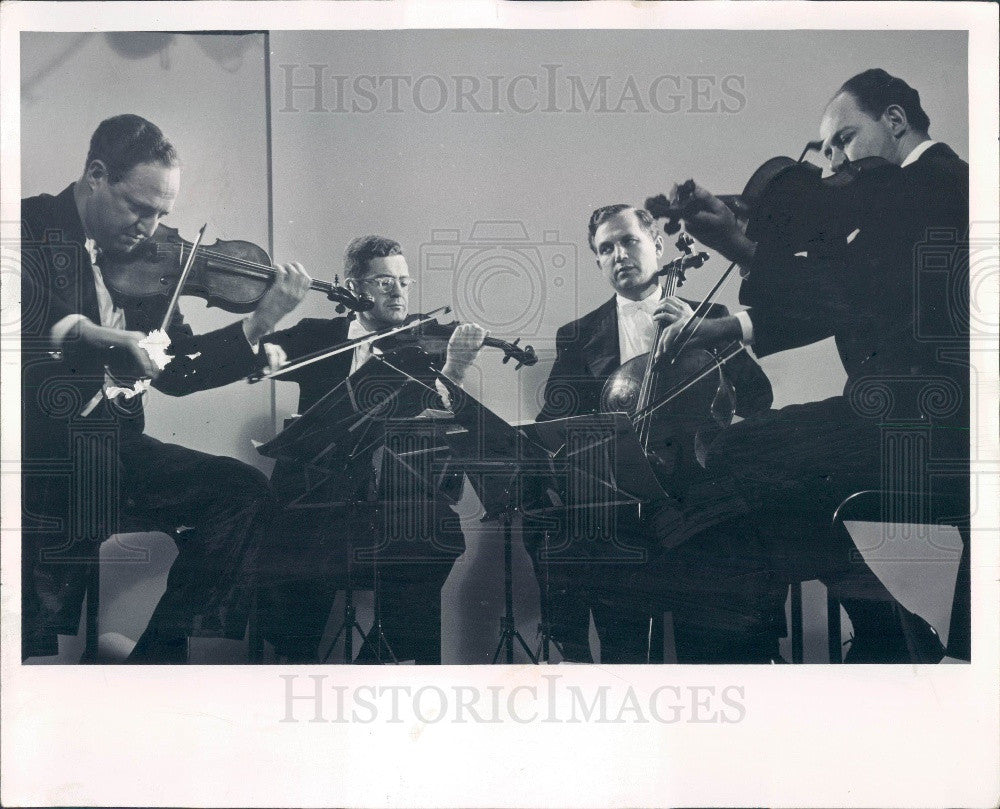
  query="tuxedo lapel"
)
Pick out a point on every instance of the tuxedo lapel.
point(76, 287)
point(601, 346)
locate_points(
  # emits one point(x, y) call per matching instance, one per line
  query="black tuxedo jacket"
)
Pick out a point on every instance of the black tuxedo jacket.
point(57, 280)
point(587, 353)
point(897, 304)
point(306, 337)
point(309, 336)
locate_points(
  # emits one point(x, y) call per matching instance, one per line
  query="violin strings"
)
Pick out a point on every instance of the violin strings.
point(263, 270)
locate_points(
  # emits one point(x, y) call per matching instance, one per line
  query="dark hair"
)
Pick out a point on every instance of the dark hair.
point(875, 91)
point(364, 248)
point(125, 141)
point(602, 215)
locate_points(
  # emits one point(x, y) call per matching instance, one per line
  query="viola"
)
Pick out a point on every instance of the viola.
point(232, 275)
point(432, 337)
point(791, 206)
point(677, 401)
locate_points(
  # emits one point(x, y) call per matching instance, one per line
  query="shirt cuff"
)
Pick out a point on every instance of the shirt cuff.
point(254, 347)
point(746, 327)
point(64, 327)
point(443, 393)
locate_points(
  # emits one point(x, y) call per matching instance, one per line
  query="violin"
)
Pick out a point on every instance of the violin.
point(789, 205)
point(432, 337)
point(421, 334)
point(678, 402)
point(232, 275)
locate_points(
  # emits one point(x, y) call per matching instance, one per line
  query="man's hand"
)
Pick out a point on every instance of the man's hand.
point(104, 338)
point(675, 315)
point(276, 357)
point(709, 220)
point(290, 285)
point(463, 347)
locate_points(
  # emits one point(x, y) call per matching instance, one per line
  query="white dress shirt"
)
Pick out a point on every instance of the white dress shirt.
point(636, 327)
point(916, 151)
point(362, 353)
point(111, 317)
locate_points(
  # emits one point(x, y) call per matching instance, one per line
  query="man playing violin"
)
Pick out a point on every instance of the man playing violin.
point(85, 453)
point(314, 548)
point(798, 463)
point(701, 563)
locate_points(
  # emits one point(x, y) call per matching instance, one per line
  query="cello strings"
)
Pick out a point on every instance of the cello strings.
point(650, 377)
point(699, 316)
point(687, 384)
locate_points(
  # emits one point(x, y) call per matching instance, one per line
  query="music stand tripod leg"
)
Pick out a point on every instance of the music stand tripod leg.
point(510, 632)
point(350, 623)
point(380, 640)
point(545, 638)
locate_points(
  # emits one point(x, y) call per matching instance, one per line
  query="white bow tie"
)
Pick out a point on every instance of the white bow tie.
point(356, 329)
point(627, 307)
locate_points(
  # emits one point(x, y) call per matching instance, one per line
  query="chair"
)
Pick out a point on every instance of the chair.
point(92, 588)
point(881, 506)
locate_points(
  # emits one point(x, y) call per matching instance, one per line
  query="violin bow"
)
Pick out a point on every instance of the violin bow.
point(347, 345)
point(172, 307)
point(701, 312)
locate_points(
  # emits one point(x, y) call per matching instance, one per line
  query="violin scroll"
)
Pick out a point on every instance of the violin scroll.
point(433, 336)
point(345, 299)
point(661, 208)
point(524, 356)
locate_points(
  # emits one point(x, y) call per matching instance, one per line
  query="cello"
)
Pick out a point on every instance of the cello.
point(677, 401)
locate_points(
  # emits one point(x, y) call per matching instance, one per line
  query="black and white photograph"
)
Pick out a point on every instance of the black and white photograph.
point(502, 404)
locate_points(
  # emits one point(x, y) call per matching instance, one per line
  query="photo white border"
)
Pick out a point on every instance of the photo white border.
point(914, 736)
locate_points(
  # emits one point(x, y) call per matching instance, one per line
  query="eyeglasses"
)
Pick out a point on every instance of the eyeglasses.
point(385, 283)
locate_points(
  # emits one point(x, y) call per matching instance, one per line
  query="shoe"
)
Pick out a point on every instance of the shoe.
point(922, 640)
point(915, 642)
point(156, 649)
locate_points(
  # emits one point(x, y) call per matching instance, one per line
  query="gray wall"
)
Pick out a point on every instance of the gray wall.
point(355, 160)
point(207, 94)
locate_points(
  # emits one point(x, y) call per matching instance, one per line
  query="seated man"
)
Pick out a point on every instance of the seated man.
point(314, 542)
point(84, 449)
point(702, 561)
point(897, 347)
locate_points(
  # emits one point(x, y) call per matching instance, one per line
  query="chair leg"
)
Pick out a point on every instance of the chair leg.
point(796, 629)
point(960, 632)
point(833, 629)
point(93, 595)
point(255, 641)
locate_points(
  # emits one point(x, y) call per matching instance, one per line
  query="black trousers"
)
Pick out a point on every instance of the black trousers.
point(717, 585)
point(216, 508)
point(795, 466)
point(311, 552)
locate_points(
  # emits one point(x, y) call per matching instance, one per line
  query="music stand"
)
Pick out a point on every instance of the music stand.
point(528, 461)
point(600, 465)
point(335, 442)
